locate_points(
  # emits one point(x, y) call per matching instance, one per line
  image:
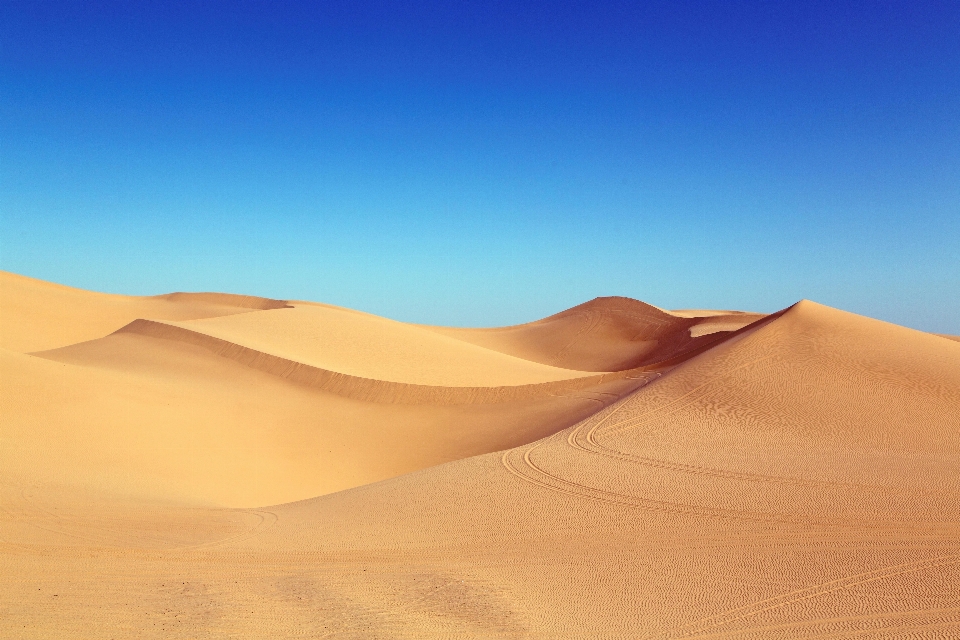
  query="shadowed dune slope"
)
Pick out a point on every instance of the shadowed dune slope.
point(798, 480)
point(37, 315)
point(605, 334)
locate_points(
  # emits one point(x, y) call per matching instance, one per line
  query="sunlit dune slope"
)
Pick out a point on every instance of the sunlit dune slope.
point(798, 480)
point(605, 334)
point(367, 346)
point(37, 315)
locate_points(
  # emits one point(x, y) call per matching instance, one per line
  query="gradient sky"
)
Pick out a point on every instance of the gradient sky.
point(489, 163)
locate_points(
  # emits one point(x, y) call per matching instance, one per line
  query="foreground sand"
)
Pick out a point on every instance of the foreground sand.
point(611, 471)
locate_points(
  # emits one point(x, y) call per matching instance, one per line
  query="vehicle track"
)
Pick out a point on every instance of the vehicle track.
point(594, 319)
point(668, 408)
point(569, 487)
point(587, 443)
point(697, 628)
point(520, 463)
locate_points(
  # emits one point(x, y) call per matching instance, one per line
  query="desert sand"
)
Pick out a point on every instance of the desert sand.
point(218, 466)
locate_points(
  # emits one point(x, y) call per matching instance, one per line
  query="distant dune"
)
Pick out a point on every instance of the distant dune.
point(605, 334)
point(612, 471)
point(38, 315)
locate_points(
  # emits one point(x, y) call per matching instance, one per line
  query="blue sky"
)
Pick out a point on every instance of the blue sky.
point(489, 163)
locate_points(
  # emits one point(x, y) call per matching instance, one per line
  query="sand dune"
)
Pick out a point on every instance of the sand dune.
point(605, 334)
point(37, 315)
point(137, 414)
point(240, 414)
point(367, 346)
point(267, 406)
point(797, 477)
point(799, 481)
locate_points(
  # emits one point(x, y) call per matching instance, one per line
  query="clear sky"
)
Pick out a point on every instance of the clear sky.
point(492, 162)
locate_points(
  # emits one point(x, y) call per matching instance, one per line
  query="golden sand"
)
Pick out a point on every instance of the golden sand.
point(213, 466)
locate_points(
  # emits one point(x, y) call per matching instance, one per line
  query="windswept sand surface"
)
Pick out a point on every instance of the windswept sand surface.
point(214, 466)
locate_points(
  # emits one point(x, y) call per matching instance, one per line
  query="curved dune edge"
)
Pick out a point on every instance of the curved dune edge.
point(368, 346)
point(386, 392)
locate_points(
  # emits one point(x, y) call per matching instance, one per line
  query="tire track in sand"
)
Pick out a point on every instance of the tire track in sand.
point(697, 628)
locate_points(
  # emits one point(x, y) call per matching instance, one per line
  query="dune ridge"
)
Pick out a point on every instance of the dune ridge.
point(385, 391)
point(163, 419)
point(367, 389)
point(367, 346)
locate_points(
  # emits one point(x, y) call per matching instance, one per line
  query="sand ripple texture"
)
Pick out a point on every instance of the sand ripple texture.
point(201, 466)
